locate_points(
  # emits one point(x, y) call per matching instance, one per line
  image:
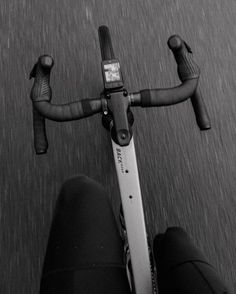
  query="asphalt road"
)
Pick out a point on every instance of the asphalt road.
point(188, 177)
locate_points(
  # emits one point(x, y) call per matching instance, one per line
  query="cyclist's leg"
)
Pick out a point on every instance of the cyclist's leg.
point(85, 250)
point(182, 268)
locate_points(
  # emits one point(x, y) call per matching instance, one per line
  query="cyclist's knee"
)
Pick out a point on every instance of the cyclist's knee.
point(74, 183)
point(81, 186)
point(175, 247)
point(183, 266)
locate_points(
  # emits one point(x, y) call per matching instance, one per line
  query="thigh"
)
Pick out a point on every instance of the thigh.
point(182, 268)
point(85, 251)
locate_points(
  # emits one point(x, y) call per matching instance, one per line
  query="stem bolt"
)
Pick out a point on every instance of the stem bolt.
point(123, 136)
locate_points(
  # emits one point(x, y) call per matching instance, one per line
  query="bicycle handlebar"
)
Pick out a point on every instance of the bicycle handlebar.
point(188, 73)
point(41, 94)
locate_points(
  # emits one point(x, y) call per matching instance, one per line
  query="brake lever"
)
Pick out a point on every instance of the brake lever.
point(181, 50)
point(33, 71)
point(41, 91)
point(189, 49)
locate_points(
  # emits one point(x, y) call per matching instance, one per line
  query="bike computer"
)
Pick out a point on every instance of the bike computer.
point(112, 74)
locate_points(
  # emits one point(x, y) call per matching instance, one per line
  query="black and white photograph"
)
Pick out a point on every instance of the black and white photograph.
point(118, 147)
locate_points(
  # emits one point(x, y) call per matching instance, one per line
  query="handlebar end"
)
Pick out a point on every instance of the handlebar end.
point(204, 125)
point(40, 151)
point(199, 107)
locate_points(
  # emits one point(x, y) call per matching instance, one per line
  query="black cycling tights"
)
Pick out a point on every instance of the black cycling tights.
point(85, 251)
